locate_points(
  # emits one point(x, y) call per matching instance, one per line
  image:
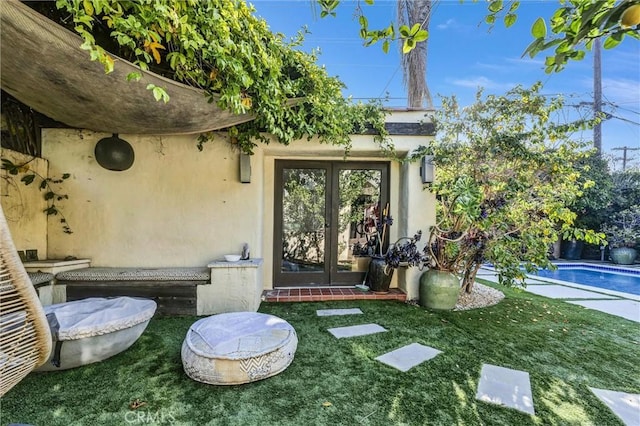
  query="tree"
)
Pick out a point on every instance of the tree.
point(574, 26)
point(221, 47)
point(505, 183)
point(414, 62)
point(597, 185)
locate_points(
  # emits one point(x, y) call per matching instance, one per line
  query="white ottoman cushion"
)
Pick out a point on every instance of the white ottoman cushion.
point(238, 347)
point(94, 329)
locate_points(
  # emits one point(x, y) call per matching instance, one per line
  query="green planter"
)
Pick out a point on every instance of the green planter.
point(439, 290)
point(378, 277)
point(623, 255)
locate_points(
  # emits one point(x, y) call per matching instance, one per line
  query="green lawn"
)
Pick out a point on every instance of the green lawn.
point(565, 349)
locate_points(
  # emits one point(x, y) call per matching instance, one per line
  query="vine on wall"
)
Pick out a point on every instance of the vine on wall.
point(51, 196)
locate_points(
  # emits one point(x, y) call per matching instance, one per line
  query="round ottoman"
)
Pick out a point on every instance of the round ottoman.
point(238, 347)
point(94, 329)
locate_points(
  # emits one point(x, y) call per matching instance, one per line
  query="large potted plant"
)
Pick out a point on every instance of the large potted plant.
point(503, 186)
point(385, 259)
point(623, 234)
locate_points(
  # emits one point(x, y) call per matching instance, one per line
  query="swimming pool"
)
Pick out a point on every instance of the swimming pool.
point(623, 280)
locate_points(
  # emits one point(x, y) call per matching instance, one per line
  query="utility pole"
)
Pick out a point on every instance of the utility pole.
point(624, 150)
point(597, 95)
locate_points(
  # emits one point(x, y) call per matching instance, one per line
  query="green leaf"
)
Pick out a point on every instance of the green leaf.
point(539, 28)
point(611, 42)
point(66, 176)
point(28, 179)
point(385, 46)
point(490, 19)
point(422, 35)
point(49, 195)
point(363, 21)
point(369, 2)
point(135, 76)
point(88, 7)
point(408, 46)
point(510, 19)
point(404, 31)
point(495, 6)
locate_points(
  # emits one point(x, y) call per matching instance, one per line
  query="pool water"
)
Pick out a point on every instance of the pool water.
point(610, 280)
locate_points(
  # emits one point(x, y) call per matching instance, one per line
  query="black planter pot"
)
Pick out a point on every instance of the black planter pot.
point(378, 276)
point(572, 249)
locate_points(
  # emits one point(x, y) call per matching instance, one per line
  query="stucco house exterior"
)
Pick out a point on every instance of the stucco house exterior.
point(179, 207)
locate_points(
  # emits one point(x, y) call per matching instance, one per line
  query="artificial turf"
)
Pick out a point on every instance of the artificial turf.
point(565, 348)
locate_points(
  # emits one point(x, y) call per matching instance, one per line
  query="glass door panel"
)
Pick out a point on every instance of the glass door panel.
point(358, 217)
point(325, 220)
point(303, 220)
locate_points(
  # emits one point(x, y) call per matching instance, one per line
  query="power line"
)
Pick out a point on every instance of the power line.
point(625, 119)
point(624, 150)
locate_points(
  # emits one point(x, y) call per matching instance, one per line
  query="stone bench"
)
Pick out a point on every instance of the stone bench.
point(40, 278)
point(43, 282)
point(173, 289)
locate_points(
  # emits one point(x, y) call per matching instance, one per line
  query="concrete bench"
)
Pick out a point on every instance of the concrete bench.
point(40, 278)
point(43, 282)
point(173, 289)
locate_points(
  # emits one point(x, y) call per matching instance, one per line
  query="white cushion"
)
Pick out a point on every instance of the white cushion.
point(238, 347)
point(96, 316)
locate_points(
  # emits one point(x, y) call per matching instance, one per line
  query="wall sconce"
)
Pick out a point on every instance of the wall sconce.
point(427, 169)
point(245, 168)
point(114, 153)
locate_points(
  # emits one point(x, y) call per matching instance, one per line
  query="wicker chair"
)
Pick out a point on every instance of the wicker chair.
point(25, 338)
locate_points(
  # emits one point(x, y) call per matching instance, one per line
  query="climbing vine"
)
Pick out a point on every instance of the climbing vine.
point(221, 47)
point(51, 196)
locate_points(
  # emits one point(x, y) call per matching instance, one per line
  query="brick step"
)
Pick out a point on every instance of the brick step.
point(321, 294)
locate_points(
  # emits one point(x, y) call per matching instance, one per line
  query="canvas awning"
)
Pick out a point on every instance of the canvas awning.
point(43, 67)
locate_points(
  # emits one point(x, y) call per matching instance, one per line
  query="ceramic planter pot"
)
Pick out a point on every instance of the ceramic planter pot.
point(378, 279)
point(439, 290)
point(572, 249)
point(623, 255)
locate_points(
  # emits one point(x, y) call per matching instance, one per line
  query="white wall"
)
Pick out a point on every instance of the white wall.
point(23, 205)
point(177, 206)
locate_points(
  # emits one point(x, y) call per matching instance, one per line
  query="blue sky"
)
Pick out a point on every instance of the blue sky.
point(463, 56)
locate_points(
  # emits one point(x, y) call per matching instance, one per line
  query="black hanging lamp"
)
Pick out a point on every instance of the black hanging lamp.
point(114, 153)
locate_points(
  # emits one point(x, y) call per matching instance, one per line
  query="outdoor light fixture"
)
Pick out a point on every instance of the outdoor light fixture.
point(245, 168)
point(114, 153)
point(427, 169)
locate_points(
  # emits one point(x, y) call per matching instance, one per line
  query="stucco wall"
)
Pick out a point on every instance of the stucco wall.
point(23, 205)
point(177, 206)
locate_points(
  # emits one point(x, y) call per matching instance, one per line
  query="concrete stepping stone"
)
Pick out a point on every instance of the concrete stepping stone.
point(564, 292)
point(332, 312)
point(629, 309)
point(356, 330)
point(507, 387)
point(408, 356)
point(624, 405)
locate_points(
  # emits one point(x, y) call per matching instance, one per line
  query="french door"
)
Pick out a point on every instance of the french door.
point(326, 217)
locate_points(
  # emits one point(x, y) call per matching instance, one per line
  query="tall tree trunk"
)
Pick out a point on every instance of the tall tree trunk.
point(414, 63)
